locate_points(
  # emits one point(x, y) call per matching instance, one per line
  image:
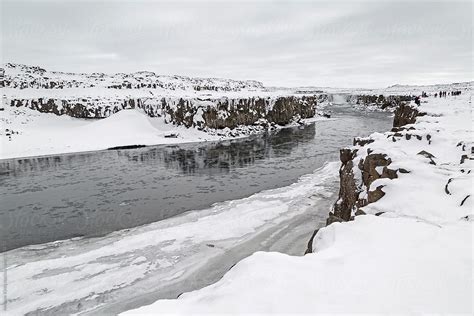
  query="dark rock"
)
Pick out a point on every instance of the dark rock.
point(348, 192)
point(405, 114)
point(126, 147)
point(347, 154)
point(172, 135)
point(388, 173)
point(369, 172)
point(428, 155)
point(362, 141)
point(446, 186)
point(464, 200)
point(309, 248)
point(334, 219)
point(374, 196)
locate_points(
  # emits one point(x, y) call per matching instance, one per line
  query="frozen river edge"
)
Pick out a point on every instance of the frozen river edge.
point(408, 251)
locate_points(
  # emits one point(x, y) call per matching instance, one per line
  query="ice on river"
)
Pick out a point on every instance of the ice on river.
point(89, 273)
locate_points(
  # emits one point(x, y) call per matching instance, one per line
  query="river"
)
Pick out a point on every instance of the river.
point(96, 195)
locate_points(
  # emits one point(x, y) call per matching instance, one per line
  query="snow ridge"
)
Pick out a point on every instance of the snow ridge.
point(23, 76)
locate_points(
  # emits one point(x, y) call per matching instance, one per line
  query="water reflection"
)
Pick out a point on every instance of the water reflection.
point(186, 158)
point(223, 156)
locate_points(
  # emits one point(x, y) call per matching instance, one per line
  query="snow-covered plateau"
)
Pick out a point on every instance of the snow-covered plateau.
point(407, 247)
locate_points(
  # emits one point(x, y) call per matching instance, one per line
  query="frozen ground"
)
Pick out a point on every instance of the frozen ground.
point(414, 258)
point(134, 267)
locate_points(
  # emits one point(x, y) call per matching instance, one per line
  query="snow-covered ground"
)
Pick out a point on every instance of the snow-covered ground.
point(414, 258)
point(132, 267)
point(35, 133)
point(31, 133)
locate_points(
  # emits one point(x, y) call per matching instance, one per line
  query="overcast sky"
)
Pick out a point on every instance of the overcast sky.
point(282, 43)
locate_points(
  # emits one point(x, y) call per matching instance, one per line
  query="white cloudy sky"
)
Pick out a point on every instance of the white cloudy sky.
point(282, 43)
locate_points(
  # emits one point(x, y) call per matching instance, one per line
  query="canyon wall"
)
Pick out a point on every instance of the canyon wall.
point(191, 112)
point(214, 103)
point(389, 102)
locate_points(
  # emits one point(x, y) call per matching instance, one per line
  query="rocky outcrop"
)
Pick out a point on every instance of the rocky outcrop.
point(391, 101)
point(348, 192)
point(191, 112)
point(354, 195)
point(360, 167)
point(382, 102)
point(405, 114)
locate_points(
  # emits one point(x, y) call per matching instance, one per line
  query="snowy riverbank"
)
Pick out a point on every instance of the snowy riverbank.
point(414, 257)
point(31, 133)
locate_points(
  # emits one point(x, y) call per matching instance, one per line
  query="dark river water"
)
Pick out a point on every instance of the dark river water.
point(49, 198)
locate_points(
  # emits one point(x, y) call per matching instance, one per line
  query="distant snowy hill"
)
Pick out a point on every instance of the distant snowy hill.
point(23, 76)
point(429, 88)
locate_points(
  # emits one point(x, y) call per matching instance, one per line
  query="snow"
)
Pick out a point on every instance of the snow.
point(45, 134)
point(36, 133)
point(18, 75)
point(367, 266)
point(414, 258)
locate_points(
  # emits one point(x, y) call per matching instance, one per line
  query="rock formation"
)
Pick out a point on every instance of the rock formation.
point(360, 169)
point(381, 101)
point(191, 112)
